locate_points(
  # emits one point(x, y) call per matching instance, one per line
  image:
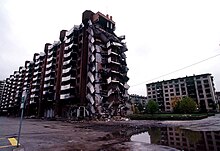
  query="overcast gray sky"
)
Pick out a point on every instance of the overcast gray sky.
point(161, 35)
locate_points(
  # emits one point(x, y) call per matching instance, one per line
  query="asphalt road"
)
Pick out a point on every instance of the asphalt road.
point(8, 139)
point(42, 135)
point(45, 135)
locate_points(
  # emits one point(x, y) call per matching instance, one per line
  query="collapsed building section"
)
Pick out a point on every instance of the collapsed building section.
point(107, 69)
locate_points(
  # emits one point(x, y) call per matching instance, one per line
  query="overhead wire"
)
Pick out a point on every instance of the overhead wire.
point(188, 66)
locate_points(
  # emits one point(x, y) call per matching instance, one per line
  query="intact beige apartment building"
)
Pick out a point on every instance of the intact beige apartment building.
point(199, 87)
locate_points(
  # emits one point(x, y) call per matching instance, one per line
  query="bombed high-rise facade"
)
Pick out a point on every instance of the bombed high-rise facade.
point(84, 73)
point(2, 86)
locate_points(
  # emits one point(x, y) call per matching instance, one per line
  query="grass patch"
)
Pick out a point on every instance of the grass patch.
point(169, 116)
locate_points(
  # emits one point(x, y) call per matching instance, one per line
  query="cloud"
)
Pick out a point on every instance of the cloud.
point(161, 36)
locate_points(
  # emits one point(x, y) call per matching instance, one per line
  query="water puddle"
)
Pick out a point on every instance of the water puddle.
point(181, 139)
point(142, 137)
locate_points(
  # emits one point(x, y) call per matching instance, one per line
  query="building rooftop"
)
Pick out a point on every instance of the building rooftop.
point(205, 74)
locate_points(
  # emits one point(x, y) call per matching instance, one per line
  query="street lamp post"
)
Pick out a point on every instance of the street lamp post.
point(23, 99)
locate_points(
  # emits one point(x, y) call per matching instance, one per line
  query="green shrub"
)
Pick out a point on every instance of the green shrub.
point(185, 105)
point(152, 107)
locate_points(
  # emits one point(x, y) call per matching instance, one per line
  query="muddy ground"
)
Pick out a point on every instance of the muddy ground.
point(43, 135)
point(102, 136)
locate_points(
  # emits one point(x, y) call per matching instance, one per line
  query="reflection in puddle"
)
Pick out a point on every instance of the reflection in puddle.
point(143, 137)
point(181, 138)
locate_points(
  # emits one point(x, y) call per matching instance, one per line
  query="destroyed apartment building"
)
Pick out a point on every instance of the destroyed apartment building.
point(82, 74)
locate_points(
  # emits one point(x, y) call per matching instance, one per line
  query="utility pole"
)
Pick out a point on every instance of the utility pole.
point(23, 99)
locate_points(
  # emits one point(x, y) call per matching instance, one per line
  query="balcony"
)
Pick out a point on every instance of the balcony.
point(35, 84)
point(49, 65)
point(98, 48)
point(36, 68)
point(36, 73)
point(68, 47)
point(66, 70)
point(92, 58)
point(110, 51)
point(32, 102)
point(106, 93)
point(67, 78)
point(114, 61)
point(27, 69)
point(33, 95)
point(91, 48)
point(48, 72)
point(50, 47)
point(26, 74)
point(115, 80)
point(50, 52)
point(90, 98)
point(26, 78)
point(91, 39)
point(113, 44)
point(126, 86)
point(64, 96)
point(47, 78)
point(67, 55)
point(28, 64)
point(91, 77)
point(67, 41)
point(34, 79)
point(37, 62)
point(109, 80)
point(69, 32)
point(49, 59)
point(92, 67)
point(91, 87)
point(66, 87)
point(16, 74)
point(34, 90)
point(116, 72)
point(46, 85)
point(67, 62)
point(23, 69)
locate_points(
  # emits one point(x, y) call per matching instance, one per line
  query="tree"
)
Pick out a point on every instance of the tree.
point(192, 136)
point(176, 108)
point(175, 101)
point(186, 105)
point(140, 107)
point(152, 106)
point(155, 134)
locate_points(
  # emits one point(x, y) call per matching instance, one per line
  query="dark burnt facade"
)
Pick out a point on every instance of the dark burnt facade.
point(84, 73)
